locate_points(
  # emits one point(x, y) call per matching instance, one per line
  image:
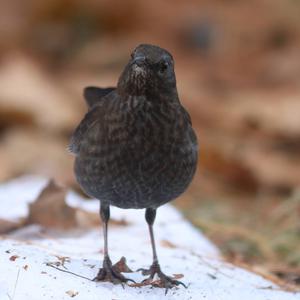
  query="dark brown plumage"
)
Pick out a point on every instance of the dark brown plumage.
point(135, 148)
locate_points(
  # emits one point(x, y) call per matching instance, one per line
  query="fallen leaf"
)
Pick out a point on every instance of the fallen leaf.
point(25, 267)
point(72, 293)
point(62, 260)
point(8, 226)
point(35, 84)
point(121, 266)
point(160, 283)
point(282, 284)
point(167, 244)
point(51, 210)
point(36, 147)
point(14, 257)
point(86, 219)
point(121, 222)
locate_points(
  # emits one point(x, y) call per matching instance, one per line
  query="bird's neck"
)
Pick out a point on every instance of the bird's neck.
point(146, 103)
point(149, 95)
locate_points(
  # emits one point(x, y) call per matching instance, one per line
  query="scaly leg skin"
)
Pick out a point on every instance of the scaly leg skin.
point(109, 272)
point(112, 273)
point(164, 280)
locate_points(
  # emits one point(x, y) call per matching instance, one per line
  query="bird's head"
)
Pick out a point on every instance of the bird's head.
point(150, 70)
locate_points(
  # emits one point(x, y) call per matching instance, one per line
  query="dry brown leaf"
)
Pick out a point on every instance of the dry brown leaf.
point(121, 222)
point(51, 210)
point(289, 274)
point(25, 267)
point(72, 294)
point(277, 113)
point(121, 266)
point(37, 92)
point(62, 260)
point(283, 285)
point(167, 244)
point(14, 257)
point(41, 154)
point(86, 219)
point(8, 226)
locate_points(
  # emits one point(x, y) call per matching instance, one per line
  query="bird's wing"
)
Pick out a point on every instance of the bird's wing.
point(89, 120)
point(192, 134)
point(93, 95)
point(186, 115)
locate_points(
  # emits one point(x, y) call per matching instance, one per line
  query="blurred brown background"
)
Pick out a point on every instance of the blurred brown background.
point(238, 74)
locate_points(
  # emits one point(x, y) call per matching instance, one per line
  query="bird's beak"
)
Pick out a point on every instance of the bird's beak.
point(139, 66)
point(139, 61)
point(134, 77)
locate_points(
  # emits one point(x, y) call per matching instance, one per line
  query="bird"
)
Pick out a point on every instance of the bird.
point(136, 148)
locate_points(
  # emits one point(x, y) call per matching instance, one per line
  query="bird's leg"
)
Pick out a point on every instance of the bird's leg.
point(165, 281)
point(109, 272)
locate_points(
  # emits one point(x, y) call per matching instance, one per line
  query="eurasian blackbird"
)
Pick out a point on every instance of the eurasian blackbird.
point(135, 147)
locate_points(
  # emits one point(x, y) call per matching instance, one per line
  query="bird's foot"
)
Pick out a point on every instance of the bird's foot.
point(163, 280)
point(112, 273)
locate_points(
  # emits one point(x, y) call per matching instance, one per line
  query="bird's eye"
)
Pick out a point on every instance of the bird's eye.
point(163, 66)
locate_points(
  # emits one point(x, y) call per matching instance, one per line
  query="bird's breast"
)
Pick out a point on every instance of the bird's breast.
point(144, 157)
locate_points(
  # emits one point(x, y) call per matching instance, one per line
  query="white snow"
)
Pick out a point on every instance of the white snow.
point(29, 277)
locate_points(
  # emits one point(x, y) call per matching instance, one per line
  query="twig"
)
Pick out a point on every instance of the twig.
point(15, 287)
point(66, 271)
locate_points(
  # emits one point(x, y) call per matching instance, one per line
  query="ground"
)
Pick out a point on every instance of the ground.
point(35, 260)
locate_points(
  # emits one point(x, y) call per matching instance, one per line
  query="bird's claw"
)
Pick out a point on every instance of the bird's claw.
point(164, 281)
point(144, 271)
point(112, 273)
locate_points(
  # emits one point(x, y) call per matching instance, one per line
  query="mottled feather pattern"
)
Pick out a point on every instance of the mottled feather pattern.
point(135, 148)
point(141, 156)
